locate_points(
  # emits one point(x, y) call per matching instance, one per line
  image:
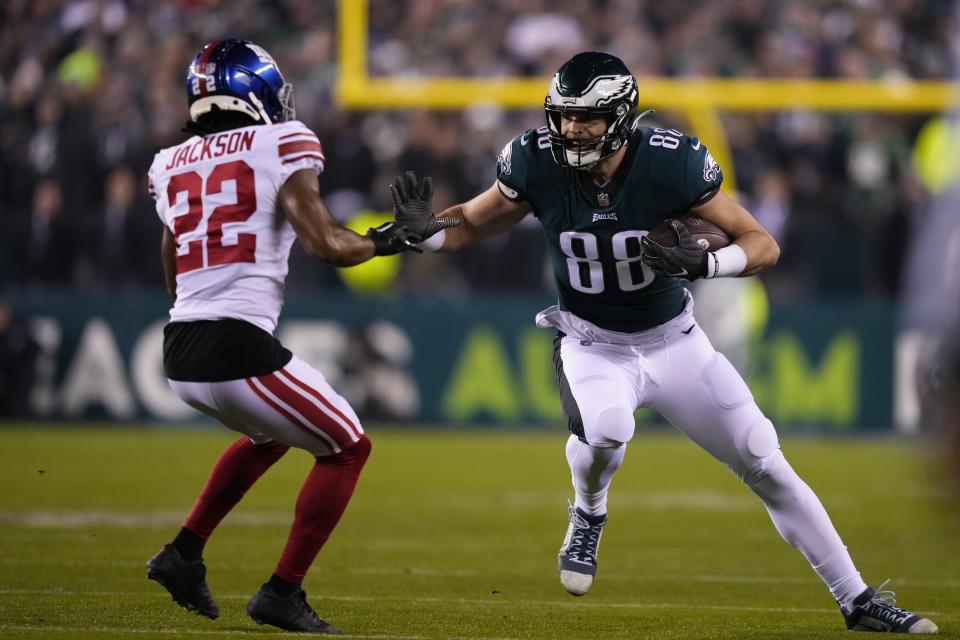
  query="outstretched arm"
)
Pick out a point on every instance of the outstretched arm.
point(323, 238)
point(487, 215)
point(320, 235)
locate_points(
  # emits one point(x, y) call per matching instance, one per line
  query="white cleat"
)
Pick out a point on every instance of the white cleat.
point(577, 560)
point(576, 584)
point(877, 611)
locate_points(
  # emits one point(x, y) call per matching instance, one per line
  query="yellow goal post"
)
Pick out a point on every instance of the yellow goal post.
point(699, 100)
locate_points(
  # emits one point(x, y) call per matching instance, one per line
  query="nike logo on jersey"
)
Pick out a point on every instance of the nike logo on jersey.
point(525, 138)
point(679, 274)
point(696, 146)
point(689, 330)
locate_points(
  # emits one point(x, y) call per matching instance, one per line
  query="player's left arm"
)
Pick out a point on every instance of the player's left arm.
point(761, 250)
point(168, 255)
point(690, 180)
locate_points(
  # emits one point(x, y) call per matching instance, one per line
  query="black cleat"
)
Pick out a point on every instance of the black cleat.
point(877, 611)
point(287, 612)
point(184, 579)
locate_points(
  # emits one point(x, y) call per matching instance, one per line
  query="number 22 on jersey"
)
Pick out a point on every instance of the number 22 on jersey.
point(210, 250)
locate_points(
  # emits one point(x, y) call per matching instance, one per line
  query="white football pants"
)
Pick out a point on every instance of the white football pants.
point(680, 376)
point(674, 370)
point(293, 405)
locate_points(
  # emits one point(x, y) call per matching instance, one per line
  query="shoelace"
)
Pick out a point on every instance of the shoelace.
point(584, 540)
point(883, 605)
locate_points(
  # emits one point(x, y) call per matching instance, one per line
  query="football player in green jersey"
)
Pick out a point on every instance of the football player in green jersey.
point(598, 181)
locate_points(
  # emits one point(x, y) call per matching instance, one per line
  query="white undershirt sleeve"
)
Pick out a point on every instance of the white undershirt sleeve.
point(435, 242)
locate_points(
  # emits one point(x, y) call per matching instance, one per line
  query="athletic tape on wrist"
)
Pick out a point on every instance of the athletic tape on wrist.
point(726, 262)
point(434, 242)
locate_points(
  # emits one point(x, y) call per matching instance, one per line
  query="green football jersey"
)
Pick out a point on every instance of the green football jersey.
point(593, 233)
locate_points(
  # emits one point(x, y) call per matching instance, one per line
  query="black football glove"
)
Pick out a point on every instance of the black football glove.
point(412, 208)
point(686, 260)
point(390, 238)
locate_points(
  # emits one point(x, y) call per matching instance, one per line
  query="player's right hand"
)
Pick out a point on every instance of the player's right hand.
point(390, 238)
point(412, 207)
point(686, 260)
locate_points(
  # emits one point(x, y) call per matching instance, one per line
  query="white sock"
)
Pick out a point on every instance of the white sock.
point(592, 469)
point(803, 522)
point(842, 578)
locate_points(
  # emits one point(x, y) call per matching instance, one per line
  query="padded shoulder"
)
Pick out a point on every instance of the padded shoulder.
point(296, 147)
point(520, 159)
point(681, 165)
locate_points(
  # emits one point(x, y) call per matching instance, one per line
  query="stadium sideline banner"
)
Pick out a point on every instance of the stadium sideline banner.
point(829, 368)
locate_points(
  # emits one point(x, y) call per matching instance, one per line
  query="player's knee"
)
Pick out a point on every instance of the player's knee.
point(763, 468)
point(361, 448)
point(612, 427)
point(759, 450)
point(356, 456)
point(779, 486)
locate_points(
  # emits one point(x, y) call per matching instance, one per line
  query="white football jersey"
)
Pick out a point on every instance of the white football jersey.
point(218, 196)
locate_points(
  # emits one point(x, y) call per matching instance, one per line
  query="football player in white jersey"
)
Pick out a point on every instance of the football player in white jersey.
point(232, 199)
point(598, 182)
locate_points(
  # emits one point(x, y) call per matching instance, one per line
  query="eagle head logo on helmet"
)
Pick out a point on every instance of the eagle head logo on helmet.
point(597, 85)
point(237, 75)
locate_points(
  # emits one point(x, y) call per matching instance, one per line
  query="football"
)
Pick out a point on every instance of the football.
point(706, 234)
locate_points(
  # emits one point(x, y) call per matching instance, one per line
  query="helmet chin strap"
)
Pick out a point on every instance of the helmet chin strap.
point(259, 106)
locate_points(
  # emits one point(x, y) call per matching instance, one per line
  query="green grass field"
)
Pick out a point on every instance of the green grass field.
point(454, 535)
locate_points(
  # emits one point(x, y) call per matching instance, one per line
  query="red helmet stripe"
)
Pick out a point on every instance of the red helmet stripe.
point(202, 64)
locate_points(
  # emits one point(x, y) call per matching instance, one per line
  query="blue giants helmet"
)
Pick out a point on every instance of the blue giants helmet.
point(237, 75)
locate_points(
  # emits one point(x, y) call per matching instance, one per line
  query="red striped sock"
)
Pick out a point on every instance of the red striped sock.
point(322, 500)
point(233, 474)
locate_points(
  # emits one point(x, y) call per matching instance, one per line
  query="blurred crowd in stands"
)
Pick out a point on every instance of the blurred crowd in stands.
point(90, 89)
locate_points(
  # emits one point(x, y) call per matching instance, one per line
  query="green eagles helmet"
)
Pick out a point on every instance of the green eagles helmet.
point(596, 84)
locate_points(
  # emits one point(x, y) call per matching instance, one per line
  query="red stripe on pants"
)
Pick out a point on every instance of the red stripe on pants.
point(319, 396)
point(308, 410)
point(286, 414)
